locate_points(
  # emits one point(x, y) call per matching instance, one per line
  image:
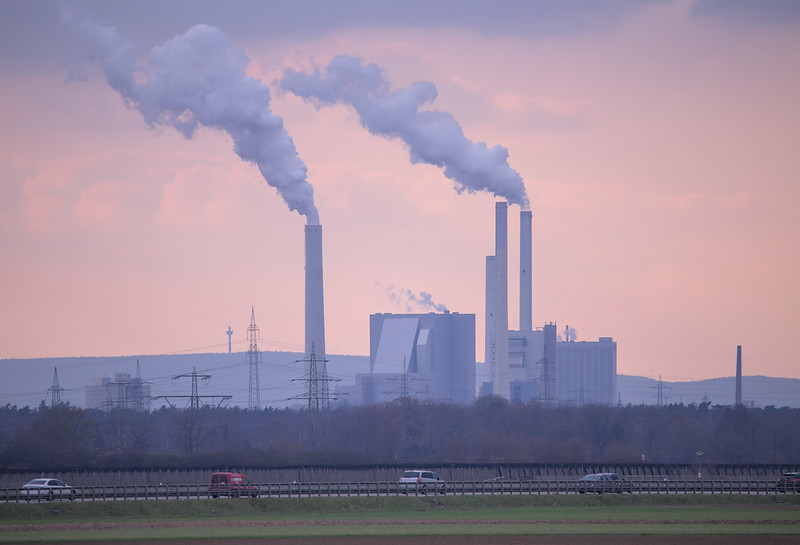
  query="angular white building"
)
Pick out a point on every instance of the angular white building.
point(429, 357)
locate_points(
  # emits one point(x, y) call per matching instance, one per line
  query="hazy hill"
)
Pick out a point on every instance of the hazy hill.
point(758, 391)
point(25, 381)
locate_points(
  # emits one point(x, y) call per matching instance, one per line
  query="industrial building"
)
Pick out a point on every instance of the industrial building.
point(586, 373)
point(428, 357)
point(531, 364)
point(123, 392)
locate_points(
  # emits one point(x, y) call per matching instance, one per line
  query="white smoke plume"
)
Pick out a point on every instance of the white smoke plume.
point(198, 78)
point(413, 302)
point(432, 136)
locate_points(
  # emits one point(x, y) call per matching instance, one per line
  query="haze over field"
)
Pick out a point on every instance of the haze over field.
point(655, 142)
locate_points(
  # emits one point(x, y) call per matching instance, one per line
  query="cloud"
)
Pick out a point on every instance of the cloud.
point(760, 11)
point(513, 102)
point(99, 205)
point(47, 197)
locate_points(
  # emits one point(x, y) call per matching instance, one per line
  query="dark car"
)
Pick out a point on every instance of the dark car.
point(599, 483)
point(789, 482)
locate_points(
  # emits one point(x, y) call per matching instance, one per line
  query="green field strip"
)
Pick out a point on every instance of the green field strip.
point(260, 532)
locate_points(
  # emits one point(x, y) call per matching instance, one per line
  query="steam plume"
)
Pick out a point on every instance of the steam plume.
point(412, 301)
point(432, 136)
point(198, 78)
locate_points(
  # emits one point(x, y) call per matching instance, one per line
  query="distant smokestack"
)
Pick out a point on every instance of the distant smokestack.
point(502, 385)
point(739, 375)
point(315, 307)
point(525, 273)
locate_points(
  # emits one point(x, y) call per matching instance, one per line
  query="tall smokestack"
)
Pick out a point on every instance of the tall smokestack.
point(491, 314)
point(739, 375)
point(502, 385)
point(525, 272)
point(315, 306)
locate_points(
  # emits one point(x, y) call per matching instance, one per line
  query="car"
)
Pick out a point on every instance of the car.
point(600, 483)
point(48, 489)
point(421, 481)
point(788, 482)
point(228, 483)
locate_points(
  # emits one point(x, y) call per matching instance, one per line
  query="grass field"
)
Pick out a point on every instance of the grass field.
point(390, 520)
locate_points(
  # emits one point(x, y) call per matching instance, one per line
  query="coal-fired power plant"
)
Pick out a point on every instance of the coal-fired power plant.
point(315, 306)
point(531, 363)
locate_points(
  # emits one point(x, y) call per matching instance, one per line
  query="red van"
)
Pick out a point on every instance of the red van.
point(226, 483)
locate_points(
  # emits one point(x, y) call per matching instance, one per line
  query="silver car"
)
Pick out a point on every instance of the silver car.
point(421, 481)
point(47, 489)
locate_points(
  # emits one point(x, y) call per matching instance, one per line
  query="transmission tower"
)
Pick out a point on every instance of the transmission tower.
point(660, 395)
point(254, 398)
point(317, 391)
point(137, 390)
point(55, 390)
point(405, 386)
point(194, 398)
point(546, 379)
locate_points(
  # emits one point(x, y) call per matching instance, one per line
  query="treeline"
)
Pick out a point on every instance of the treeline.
point(489, 431)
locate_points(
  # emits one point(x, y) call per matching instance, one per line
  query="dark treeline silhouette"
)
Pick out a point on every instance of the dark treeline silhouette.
point(489, 431)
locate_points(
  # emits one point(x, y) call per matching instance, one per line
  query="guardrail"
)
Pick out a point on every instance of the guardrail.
point(334, 489)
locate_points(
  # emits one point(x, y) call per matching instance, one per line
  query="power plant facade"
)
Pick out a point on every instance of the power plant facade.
point(586, 373)
point(427, 357)
point(532, 365)
point(122, 391)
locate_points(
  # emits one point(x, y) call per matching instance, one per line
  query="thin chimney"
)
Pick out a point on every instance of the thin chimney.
point(739, 375)
point(315, 306)
point(525, 272)
point(502, 384)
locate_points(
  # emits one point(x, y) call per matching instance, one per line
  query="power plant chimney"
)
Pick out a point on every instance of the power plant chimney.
point(491, 312)
point(525, 272)
point(502, 381)
point(739, 375)
point(315, 307)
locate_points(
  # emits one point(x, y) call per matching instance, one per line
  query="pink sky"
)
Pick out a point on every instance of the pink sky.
point(658, 148)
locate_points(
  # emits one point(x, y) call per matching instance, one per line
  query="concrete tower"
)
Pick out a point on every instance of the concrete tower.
point(739, 375)
point(491, 311)
point(525, 272)
point(315, 307)
point(502, 379)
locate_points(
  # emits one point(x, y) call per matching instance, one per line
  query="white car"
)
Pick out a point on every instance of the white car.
point(421, 481)
point(48, 489)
